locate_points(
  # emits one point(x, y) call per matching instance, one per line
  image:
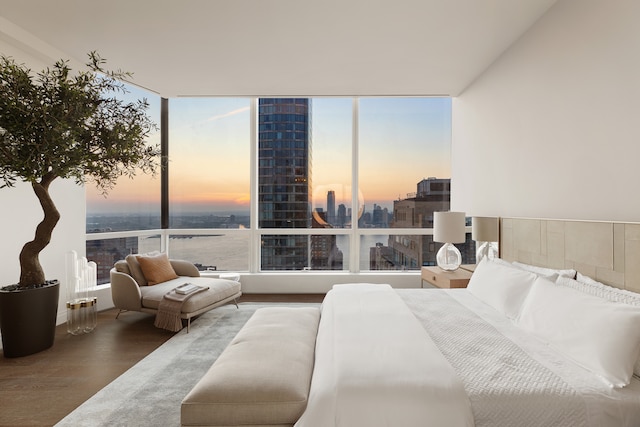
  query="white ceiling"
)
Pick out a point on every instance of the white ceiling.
point(277, 47)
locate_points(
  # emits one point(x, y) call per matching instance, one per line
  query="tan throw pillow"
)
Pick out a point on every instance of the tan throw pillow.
point(156, 268)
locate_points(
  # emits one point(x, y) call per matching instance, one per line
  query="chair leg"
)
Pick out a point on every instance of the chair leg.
point(119, 311)
point(235, 301)
point(188, 324)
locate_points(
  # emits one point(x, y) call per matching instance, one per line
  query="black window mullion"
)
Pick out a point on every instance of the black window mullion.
point(164, 163)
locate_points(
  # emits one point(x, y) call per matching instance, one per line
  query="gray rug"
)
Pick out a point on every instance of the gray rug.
point(150, 393)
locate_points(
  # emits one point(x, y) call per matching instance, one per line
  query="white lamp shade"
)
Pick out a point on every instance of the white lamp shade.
point(484, 229)
point(449, 227)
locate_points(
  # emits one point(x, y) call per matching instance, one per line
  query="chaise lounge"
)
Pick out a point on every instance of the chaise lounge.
point(140, 282)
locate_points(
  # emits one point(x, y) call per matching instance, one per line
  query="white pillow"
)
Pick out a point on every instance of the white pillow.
point(503, 288)
point(586, 279)
point(543, 271)
point(502, 262)
point(590, 286)
point(599, 335)
point(593, 287)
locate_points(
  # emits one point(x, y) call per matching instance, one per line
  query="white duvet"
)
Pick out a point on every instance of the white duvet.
point(376, 366)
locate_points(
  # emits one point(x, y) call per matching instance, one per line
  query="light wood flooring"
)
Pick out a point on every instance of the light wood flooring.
point(41, 389)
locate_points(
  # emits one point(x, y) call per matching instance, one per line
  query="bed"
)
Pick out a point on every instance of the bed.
point(523, 345)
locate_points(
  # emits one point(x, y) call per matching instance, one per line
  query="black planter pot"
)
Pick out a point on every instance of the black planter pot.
point(28, 319)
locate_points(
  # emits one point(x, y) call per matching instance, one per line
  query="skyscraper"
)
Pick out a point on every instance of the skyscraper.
point(342, 216)
point(331, 207)
point(432, 195)
point(284, 180)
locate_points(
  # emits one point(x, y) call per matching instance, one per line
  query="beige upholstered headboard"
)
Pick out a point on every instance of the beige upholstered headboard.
point(606, 251)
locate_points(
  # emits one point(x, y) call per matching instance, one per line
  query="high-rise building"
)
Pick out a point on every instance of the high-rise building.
point(284, 180)
point(432, 195)
point(331, 207)
point(343, 216)
point(416, 211)
point(380, 216)
point(325, 254)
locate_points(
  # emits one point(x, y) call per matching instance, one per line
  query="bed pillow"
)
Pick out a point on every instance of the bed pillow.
point(502, 262)
point(543, 271)
point(503, 288)
point(593, 287)
point(600, 335)
point(156, 268)
point(586, 279)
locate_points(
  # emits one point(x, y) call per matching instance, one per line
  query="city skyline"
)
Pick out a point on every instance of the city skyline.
point(209, 154)
point(282, 251)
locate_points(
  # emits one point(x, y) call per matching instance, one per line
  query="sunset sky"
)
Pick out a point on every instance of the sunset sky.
point(401, 141)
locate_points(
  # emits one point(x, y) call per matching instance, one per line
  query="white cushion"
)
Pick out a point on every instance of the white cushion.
point(544, 271)
point(503, 288)
point(599, 335)
point(262, 377)
point(593, 287)
point(590, 286)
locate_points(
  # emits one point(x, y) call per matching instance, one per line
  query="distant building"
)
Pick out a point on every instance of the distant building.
point(416, 211)
point(344, 218)
point(106, 252)
point(380, 217)
point(331, 207)
point(434, 187)
point(433, 195)
point(325, 254)
point(381, 258)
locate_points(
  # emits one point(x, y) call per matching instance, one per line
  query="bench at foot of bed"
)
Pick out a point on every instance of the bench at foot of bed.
point(262, 377)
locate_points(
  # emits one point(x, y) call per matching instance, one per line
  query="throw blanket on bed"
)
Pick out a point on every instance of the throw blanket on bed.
point(376, 366)
point(505, 385)
point(170, 308)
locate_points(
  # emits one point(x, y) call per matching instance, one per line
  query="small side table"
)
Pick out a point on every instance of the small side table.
point(469, 267)
point(230, 276)
point(445, 279)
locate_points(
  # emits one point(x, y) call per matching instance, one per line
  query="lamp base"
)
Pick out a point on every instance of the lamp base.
point(486, 249)
point(448, 257)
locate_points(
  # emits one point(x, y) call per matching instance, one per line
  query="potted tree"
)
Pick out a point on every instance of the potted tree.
point(69, 125)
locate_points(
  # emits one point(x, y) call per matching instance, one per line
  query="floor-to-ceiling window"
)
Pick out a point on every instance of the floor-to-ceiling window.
point(124, 220)
point(209, 181)
point(304, 182)
point(275, 184)
point(404, 175)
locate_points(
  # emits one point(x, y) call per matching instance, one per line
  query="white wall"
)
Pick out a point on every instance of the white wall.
point(20, 212)
point(552, 129)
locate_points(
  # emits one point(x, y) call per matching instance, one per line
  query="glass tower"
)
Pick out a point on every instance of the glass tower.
point(284, 180)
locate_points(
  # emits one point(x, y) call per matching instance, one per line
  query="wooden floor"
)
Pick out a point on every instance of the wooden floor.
point(41, 389)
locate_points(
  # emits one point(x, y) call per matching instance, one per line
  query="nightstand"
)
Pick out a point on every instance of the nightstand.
point(445, 279)
point(469, 267)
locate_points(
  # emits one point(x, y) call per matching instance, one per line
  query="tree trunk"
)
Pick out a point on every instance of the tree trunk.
point(31, 272)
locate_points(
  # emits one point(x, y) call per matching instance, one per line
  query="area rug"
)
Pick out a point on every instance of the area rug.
point(150, 393)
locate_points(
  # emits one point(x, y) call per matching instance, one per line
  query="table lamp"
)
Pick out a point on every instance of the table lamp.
point(449, 228)
point(485, 231)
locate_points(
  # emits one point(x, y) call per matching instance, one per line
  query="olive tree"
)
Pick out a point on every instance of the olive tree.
point(70, 125)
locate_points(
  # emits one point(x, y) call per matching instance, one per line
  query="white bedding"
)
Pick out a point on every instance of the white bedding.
point(511, 377)
point(376, 366)
point(460, 363)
